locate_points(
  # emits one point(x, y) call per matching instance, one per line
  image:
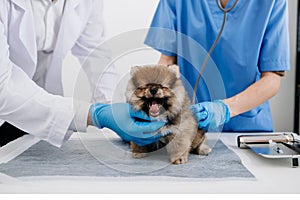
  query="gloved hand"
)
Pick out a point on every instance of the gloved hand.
point(211, 115)
point(130, 125)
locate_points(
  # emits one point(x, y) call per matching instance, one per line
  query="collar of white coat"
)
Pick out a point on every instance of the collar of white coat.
point(24, 3)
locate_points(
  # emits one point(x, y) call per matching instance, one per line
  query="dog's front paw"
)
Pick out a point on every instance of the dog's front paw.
point(139, 155)
point(203, 149)
point(180, 160)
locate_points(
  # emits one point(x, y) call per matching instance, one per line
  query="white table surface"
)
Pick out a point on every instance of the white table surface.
point(272, 176)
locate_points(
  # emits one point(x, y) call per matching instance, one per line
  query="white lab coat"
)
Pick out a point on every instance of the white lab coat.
point(22, 102)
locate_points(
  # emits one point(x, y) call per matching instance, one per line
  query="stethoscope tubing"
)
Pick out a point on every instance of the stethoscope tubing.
point(225, 11)
point(228, 9)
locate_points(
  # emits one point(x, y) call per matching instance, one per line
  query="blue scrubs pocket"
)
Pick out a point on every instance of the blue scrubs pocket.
point(256, 120)
point(252, 113)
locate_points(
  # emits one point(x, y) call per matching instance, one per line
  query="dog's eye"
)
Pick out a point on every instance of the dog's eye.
point(141, 88)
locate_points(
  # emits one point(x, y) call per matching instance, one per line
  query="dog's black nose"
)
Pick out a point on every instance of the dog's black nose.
point(153, 91)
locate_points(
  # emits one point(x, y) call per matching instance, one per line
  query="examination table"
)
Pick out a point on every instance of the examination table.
point(270, 176)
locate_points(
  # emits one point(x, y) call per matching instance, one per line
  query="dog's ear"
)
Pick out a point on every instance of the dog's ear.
point(175, 69)
point(134, 69)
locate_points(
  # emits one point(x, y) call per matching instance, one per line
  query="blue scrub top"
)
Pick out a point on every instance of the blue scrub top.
point(255, 40)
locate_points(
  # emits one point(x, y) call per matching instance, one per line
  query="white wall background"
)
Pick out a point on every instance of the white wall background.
point(282, 104)
point(129, 15)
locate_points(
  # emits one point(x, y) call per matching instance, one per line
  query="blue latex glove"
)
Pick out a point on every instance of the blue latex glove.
point(211, 115)
point(130, 125)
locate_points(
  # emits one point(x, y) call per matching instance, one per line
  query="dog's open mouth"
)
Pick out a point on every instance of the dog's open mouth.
point(154, 106)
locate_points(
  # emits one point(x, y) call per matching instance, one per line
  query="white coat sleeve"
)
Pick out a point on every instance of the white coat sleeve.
point(95, 57)
point(27, 106)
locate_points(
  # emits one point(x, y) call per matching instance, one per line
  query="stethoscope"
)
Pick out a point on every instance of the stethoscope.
point(228, 9)
point(225, 11)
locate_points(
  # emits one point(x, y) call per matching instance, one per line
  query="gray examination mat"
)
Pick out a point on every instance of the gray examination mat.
point(112, 158)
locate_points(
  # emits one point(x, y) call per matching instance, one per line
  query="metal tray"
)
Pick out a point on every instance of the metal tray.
point(273, 146)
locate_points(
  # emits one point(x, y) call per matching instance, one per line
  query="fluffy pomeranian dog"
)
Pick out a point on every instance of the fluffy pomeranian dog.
point(158, 91)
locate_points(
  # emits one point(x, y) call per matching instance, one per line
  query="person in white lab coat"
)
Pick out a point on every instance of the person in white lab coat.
point(35, 36)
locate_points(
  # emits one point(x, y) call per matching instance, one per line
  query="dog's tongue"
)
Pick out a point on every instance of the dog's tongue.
point(154, 108)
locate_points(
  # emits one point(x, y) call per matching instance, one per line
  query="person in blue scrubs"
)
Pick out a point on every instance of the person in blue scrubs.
point(246, 66)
